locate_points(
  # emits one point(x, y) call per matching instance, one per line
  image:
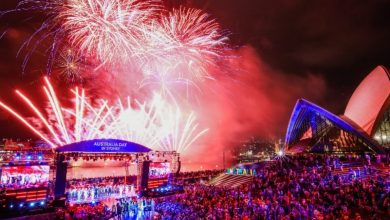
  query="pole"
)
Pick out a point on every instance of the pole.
point(223, 158)
point(126, 171)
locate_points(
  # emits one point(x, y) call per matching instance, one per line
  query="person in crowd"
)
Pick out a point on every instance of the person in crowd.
point(306, 188)
point(91, 189)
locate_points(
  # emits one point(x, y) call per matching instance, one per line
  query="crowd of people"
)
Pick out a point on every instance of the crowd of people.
point(23, 181)
point(307, 188)
point(159, 170)
point(301, 187)
point(92, 192)
point(123, 208)
point(131, 207)
point(91, 189)
point(18, 179)
point(87, 211)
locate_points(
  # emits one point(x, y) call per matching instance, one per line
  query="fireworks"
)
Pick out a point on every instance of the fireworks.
point(157, 124)
point(70, 66)
point(169, 52)
point(130, 32)
point(183, 46)
point(108, 30)
point(191, 38)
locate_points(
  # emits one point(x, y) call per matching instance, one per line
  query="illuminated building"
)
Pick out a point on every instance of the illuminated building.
point(364, 127)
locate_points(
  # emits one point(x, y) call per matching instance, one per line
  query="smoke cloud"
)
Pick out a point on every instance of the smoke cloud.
point(247, 98)
point(255, 100)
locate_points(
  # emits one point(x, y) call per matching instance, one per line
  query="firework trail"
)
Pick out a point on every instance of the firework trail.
point(156, 124)
point(108, 30)
point(192, 38)
point(49, 29)
point(182, 46)
point(143, 34)
point(169, 53)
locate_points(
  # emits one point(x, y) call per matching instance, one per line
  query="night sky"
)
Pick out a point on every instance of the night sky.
point(339, 40)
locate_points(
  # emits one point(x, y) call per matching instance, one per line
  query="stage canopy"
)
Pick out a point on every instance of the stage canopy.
point(104, 146)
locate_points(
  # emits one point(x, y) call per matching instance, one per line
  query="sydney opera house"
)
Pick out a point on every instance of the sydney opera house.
point(364, 126)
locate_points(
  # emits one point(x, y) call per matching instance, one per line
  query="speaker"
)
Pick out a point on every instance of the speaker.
point(144, 177)
point(178, 167)
point(60, 182)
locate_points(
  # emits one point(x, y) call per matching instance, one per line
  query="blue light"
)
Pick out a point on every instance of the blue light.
point(303, 104)
point(32, 204)
point(40, 157)
point(93, 202)
point(11, 206)
point(42, 202)
point(29, 157)
point(21, 205)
